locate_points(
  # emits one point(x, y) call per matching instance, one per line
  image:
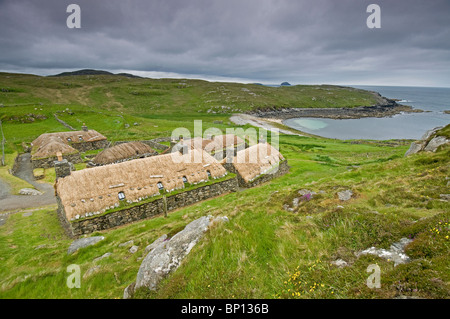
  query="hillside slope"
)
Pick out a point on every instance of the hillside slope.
point(267, 250)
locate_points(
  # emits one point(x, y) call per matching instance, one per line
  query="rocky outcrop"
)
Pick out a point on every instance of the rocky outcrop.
point(395, 253)
point(345, 195)
point(435, 142)
point(30, 192)
point(415, 147)
point(429, 142)
point(82, 243)
point(386, 108)
point(166, 255)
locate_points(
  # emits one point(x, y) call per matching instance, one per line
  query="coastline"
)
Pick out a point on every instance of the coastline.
point(380, 110)
point(274, 118)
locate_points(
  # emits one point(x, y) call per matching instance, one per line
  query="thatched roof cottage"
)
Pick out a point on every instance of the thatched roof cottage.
point(257, 164)
point(217, 145)
point(123, 152)
point(107, 196)
point(45, 147)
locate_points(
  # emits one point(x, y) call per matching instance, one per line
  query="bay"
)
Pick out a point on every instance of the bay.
point(402, 126)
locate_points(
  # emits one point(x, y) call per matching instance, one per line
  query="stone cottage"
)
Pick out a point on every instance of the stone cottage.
point(257, 164)
point(102, 197)
point(218, 145)
point(70, 144)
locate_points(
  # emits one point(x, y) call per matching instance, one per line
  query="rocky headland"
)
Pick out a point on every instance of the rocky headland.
point(384, 108)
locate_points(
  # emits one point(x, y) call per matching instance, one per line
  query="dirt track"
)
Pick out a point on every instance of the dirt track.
point(13, 202)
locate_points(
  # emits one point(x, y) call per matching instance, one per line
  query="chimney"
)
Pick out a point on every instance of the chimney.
point(230, 153)
point(183, 148)
point(172, 144)
point(261, 139)
point(62, 166)
point(84, 127)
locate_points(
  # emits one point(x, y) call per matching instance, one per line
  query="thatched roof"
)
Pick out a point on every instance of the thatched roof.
point(69, 137)
point(122, 152)
point(51, 147)
point(217, 143)
point(256, 160)
point(95, 190)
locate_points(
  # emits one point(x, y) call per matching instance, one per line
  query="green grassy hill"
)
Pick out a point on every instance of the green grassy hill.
point(109, 103)
point(265, 250)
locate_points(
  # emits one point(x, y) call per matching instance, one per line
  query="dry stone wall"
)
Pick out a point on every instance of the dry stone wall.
point(90, 146)
point(49, 162)
point(283, 168)
point(145, 210)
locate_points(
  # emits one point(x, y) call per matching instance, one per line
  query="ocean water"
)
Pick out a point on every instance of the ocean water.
point(401, 126)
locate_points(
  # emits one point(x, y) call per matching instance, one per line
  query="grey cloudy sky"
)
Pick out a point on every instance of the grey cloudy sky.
point(267, 41)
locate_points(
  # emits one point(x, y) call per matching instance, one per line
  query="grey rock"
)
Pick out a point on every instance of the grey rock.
point(168, 255)
point(399, 246)
point(306, 191)
point(295, 202)
point(428, 133)
point(102, 257)
point(29, 192)
point(395, 253)
point(345, 195)
point(127, 243)
point(133, 249)
point(415, 147)
point(445, 197)
point(153, 245)
point(340, 263)
point(224, 219)
point(27, 214)
point(129, 291)
point(83, 242)
point(437, 141)
point(91, 271)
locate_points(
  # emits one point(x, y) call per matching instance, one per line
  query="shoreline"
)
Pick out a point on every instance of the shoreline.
point(385, 110)
point(274, 118)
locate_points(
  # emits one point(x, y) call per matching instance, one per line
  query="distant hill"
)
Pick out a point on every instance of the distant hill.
point(94, 72)
point(285, 84)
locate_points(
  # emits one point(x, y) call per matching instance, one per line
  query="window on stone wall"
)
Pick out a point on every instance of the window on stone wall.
point(121, 195)
point(80, 138)
point(185, 180)
point(69, 139)
point(160, 186)
point(209, 173)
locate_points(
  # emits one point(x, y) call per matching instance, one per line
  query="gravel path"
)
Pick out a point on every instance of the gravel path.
point(25, 172)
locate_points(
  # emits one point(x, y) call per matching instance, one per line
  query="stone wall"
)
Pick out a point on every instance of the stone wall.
point(49, 162)
point(90, 146)
point(145, 210)
point(283, 168)
point(15, 166)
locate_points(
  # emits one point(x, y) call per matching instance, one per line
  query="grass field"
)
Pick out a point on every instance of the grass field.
point(264, 251)
point(113, 104)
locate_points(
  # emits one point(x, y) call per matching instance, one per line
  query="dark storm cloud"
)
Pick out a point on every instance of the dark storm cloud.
point(322, 41)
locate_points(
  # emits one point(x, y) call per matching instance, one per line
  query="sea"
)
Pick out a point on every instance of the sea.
point(434, 101)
